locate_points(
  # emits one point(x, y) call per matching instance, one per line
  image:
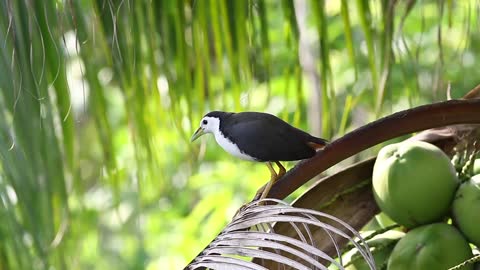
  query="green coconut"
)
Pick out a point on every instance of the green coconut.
point(466, 209)
point(433, 246)
point(414, 183)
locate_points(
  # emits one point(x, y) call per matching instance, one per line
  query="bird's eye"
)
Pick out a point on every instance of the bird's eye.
point(205, 122)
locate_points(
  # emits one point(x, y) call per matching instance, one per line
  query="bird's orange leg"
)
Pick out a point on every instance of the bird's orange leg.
point(273, 178)
point(263, 192)
point(282, 169)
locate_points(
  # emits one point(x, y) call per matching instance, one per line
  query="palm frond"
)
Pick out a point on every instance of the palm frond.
point(251, 234)
point(398, 124)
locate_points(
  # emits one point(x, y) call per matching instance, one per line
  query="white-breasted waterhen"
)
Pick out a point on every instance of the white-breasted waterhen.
point(260, 137)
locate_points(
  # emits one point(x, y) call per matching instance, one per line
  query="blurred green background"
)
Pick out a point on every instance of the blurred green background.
point(98, 100)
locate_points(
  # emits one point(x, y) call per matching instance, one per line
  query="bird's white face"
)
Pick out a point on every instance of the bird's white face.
point(210, 124)
point(207, 125)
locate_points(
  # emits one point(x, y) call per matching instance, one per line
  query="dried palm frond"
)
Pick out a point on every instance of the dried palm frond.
point(251, 235)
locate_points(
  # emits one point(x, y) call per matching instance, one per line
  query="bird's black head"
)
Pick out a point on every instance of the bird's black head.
point(218, 114)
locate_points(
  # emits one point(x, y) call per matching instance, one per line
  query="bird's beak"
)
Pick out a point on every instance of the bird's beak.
point(197, 134)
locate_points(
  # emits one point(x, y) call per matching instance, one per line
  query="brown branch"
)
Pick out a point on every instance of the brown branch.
point(405, 122)
point(348, 194)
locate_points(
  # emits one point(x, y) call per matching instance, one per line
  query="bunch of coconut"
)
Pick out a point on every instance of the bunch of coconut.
point(416, 186)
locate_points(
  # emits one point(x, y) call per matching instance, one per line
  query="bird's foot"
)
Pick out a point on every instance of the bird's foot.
point(262, 193)
point(240, 210)
point(259, 193)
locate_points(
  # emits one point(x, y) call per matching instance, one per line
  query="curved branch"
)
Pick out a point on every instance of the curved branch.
point(401, 123)
point(348, 195)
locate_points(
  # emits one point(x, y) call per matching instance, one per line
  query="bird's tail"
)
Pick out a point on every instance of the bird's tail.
point(317, 143)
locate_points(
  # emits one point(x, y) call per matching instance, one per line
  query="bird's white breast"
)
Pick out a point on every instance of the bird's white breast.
point(230, 147)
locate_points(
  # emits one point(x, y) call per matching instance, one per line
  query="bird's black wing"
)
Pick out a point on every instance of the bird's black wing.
point(267, 138)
